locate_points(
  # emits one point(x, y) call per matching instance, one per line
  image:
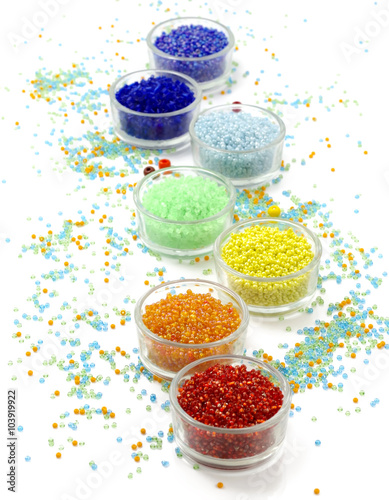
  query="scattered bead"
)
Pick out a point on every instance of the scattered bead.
point(148, 170)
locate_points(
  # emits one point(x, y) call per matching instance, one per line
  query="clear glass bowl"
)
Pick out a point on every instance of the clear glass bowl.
point(271, 295)
point(165, 358)
point(148, 130)
point(182, 238)
point(245, 167)
point(208, 71)
point(230, 448)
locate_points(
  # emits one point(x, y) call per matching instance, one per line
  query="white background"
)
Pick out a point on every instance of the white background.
point(319, 57)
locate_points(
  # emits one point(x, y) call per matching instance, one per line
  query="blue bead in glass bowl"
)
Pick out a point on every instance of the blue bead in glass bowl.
point(153, 109)
point(197, 47)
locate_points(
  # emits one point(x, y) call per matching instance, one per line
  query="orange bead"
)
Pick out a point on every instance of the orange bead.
point(175, 318)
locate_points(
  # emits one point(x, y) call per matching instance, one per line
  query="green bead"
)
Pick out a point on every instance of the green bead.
point(130, 475)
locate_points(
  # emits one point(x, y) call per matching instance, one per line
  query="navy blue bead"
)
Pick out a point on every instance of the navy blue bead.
point(157, 95)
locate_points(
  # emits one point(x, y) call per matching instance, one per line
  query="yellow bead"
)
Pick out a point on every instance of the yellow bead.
point(268, 252)
point(274, 211)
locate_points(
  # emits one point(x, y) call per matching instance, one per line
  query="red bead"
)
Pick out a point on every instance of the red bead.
point(148, 170)
point(236, 110)
point(164, 163)
point(230, 397)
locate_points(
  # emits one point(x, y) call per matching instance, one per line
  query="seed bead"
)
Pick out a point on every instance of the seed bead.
point(231, 397)
point(268, 252)
point(191, 318)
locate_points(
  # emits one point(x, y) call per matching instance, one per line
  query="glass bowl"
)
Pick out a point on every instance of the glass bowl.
point(209, 71)
point(244, 167)
point(182, 238)
point(230, 448)
point(165, 358)
point(149, 130)
point(271, 295)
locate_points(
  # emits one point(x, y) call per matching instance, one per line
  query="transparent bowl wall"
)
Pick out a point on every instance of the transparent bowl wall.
point(154, 131)
point(271, 295)
point(230, 448)
point(208, 71)
point(243, 168)
point(177, 238)
point(165, 358)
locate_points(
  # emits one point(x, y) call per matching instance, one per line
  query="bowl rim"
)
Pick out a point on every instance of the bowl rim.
point(284, 386)
point(226, 182)
point(265, 220)
point(278, 140)
point(233, 336)
point(227, 48)
point(151, 72)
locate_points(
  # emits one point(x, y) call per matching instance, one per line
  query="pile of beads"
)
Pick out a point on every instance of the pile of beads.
point(230, 397)
point(192, 41)
point(240, 142)
point(156, 95)
point(263, 251)
point(189, 318)
point(176, 199)
point(195, 42)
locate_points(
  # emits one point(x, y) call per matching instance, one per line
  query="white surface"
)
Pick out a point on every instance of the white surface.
point(351, 462)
